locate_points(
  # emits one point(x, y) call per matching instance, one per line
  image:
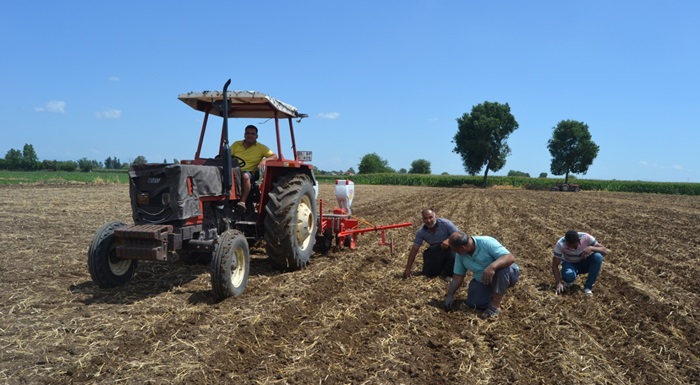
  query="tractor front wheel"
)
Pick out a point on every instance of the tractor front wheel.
point(290, 222)
point(230, 265)
point(105, 268)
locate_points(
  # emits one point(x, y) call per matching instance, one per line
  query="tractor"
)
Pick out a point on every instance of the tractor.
point(190, 210)
point(573, 187)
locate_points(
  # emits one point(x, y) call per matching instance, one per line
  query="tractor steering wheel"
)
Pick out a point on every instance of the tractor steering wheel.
point(241, 162)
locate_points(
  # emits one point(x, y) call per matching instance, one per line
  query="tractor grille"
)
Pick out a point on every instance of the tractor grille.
point(151, 197)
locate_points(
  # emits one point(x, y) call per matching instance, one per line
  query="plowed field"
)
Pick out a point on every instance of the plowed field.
point(349, 318)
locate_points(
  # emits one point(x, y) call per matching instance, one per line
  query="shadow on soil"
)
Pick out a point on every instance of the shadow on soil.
point(154, 278)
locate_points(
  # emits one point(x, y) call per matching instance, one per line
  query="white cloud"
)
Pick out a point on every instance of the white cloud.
point(110, 113)
point(655, 165)
point(53, 106)
point(114, 78)
point(652, 164)
point(434, 119)
point(329, 115)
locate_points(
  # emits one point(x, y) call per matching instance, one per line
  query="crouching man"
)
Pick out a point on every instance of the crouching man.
point(493, 267)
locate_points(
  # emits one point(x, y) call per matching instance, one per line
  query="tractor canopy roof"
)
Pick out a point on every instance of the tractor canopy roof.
point(242, 104)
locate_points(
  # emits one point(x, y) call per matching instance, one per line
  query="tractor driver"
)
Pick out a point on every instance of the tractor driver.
point(253, 156)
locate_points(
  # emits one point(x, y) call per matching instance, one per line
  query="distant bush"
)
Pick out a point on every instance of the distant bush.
point(518, 173)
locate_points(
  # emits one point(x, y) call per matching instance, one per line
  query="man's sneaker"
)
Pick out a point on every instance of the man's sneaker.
point(588, 292)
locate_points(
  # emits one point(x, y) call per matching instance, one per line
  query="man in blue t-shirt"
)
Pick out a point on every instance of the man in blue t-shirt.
point(493, 268)
point(438, 258)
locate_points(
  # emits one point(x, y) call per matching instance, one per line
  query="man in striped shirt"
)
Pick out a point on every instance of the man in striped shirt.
point(577, 253)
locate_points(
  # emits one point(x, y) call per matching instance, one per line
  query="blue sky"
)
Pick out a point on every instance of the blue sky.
point(100, 79)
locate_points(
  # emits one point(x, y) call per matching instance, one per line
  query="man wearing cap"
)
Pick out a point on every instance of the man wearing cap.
point(438, 259)
point(577, 253)
point(493, 267)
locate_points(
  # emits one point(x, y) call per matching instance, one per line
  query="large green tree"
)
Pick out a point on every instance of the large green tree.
point(30, 161)
point(420, 166)
point(13, 159)
point(571, 148)
point(373, 164)
point(481, 138)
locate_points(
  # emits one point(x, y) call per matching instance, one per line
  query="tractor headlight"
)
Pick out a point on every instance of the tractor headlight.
point(142, 198)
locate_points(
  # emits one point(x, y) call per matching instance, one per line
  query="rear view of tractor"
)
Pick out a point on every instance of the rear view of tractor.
point(189, 210)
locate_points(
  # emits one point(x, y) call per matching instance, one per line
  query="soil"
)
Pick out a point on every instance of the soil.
point(349, 317)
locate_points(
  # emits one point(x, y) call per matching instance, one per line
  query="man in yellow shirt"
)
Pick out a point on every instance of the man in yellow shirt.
point(253, 156)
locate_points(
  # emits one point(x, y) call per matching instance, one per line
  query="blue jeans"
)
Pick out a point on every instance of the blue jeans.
point(590, 266)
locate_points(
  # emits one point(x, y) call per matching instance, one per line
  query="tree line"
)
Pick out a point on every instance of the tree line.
point(482, 143)
point(28, 160)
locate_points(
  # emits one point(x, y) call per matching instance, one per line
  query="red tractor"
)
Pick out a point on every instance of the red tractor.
point(190, 209)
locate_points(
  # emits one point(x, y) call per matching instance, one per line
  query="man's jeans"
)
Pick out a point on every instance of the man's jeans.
point(590, 266)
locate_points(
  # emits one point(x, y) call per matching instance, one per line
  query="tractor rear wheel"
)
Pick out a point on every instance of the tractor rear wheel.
point(230, 265)
point(290, 222)
point(105, 268)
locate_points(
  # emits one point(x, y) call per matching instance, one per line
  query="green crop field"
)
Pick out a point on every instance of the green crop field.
point(120, 176)
point(520, 182)
point(62, 177)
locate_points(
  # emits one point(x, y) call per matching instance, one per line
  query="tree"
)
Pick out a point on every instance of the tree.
point(13, 159)
point(481, 138)
point(49, 165)
point(68, 165)
point(351, 171)
point(113, 163)
point(30, 161)
point(543, 175)
point(373, 164)
point(571, 148)
point(86, 165)
point(420, 166)
point(140, 160)
point(402, 171)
